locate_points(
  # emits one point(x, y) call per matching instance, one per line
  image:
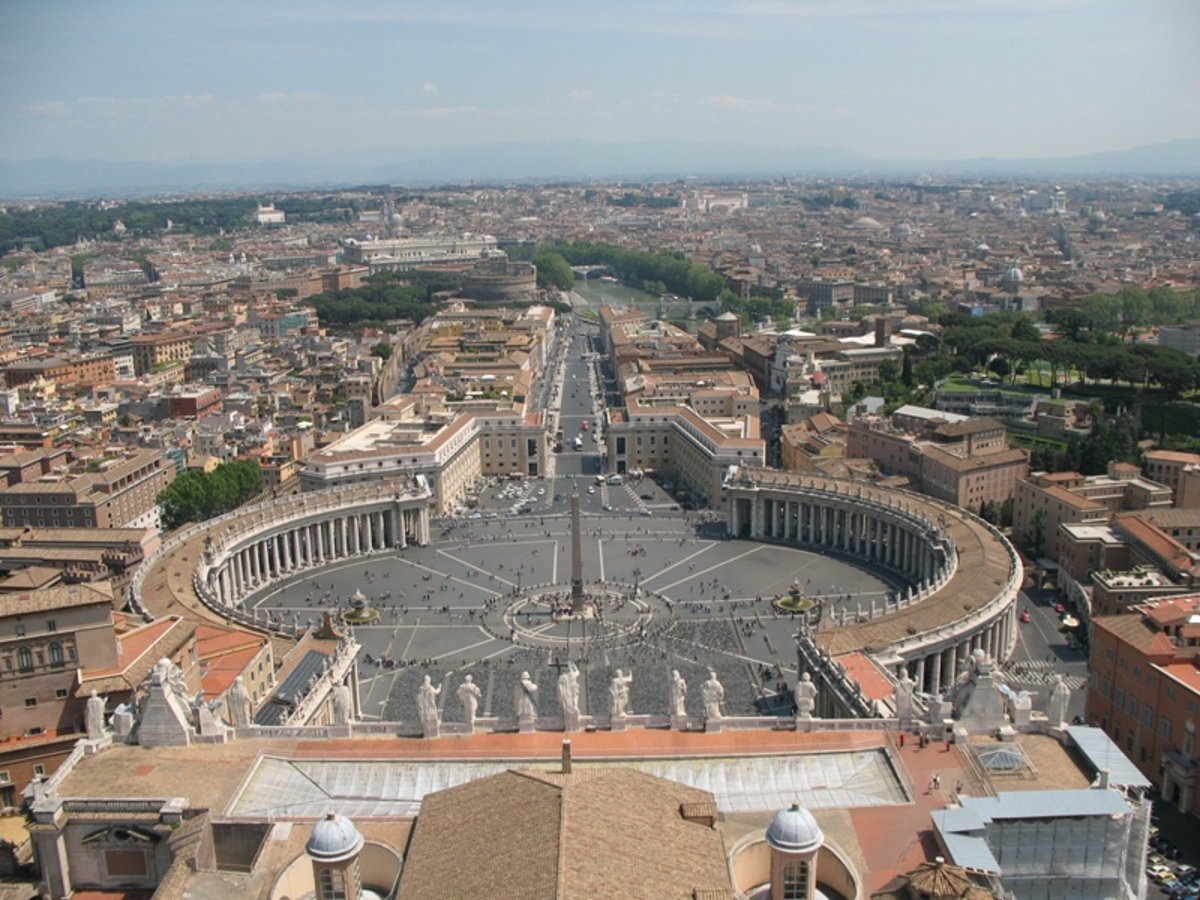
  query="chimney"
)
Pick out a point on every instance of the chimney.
point(566, 758)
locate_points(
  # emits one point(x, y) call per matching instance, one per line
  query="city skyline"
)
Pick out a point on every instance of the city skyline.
point(895, 79)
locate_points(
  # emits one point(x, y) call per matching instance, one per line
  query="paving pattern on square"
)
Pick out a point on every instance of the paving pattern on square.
point(454, 608)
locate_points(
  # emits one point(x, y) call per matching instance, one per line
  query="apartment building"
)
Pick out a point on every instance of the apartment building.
point(449, 448)
point(153, 350)
point(86, 371)
point(1151, 544)
point(118, 491)
point(960, 460)
point(46, 638)
point(1145, 691)
point(1046, 500)
point(678, 441)
point(1177, 471)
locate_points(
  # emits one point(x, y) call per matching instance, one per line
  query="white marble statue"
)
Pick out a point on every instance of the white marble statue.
point(469, 696)
point(427, 704)
point(904, 696)
point(712, 692)
point(239, 703)
point(525, 695)
point(343, 705)
point(568, 691)
point(1060, 696)
point(678, 695)
point(618, 694)
point(806, 697)
point(93, 716)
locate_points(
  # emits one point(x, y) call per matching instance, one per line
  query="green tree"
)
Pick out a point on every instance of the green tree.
point(553, 271)
point(383, 350)
point(197, 495)
point(1023, 329)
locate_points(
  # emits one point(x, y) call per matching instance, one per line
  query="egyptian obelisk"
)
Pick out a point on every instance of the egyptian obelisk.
point(576, 555)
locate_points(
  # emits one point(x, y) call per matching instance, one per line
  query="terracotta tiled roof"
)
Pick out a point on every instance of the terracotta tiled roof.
point(596, 833)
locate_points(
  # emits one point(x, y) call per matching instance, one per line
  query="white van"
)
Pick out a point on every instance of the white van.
point(615, 479)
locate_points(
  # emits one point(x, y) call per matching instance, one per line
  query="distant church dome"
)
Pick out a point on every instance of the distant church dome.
point(334, 839)
point(795, 830)
point(866, 223)
point(1014, 276)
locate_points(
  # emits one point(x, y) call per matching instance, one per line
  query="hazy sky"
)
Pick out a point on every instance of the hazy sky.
point(217, 81)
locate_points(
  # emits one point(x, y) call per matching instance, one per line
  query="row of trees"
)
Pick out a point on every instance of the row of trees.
point(59, 226)
point(1126, 311)
point(670, 268)
point(197, 495)
point(383, 297)
point(1008, 345)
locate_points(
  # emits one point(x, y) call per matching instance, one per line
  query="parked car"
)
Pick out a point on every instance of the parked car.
point(1025, 615)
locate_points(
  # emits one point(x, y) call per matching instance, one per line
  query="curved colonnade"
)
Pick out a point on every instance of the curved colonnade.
point(964, 575)
point(243, 551)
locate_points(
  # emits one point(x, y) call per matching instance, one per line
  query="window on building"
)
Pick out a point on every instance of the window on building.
point(795, 880)
point(20, 630)
point(1164, 728)
point(331, 885)
point(60, 693)
point(24, 659)
point(30, 702)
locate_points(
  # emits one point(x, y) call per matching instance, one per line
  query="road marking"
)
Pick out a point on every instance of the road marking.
point(714, 567)
point(706, 545)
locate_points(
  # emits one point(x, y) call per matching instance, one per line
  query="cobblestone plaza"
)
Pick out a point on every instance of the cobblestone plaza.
point(479, 601)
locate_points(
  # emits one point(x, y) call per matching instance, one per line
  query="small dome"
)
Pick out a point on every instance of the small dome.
point(334, 839)
point(727, 317)
point(866, 223)
point(1014, 275)
point(983, 248)
point(795, 831)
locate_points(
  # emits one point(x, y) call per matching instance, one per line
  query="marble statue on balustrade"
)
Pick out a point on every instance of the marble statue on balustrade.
point(678, 695)
point(93, 716)
point(1060, 697)
point(342, 704)
point(525, 698)
point(806, 697)
point(164, 720)
point(618, 694)
point(568, 697)
point(712, 692)
point(239, 703)
point(427, 707)
point(904, 697)
point(469, 696)
point(981, 702)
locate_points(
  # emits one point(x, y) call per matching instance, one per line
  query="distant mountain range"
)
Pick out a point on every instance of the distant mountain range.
point(540, 161)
